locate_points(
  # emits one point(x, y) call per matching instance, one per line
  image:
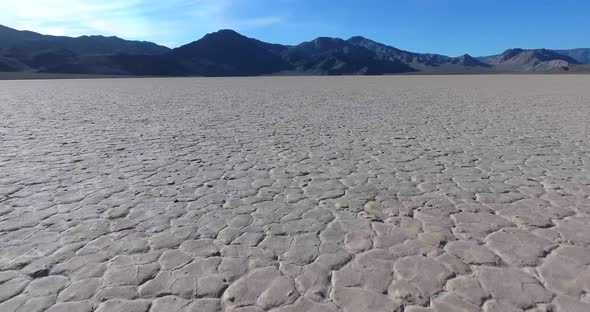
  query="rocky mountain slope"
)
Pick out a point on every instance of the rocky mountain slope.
point(15, 41)
point(419, 61)
point(334, 56)
point(228, 53)
point(530, 60)
point(469, 61)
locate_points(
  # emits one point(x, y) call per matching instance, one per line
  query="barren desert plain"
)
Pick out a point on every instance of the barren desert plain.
point(393, 193)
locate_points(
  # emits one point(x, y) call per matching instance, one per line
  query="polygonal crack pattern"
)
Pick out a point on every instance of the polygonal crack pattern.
point(295, 194)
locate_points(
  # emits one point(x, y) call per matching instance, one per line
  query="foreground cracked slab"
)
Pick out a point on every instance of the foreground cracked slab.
point(295, 194)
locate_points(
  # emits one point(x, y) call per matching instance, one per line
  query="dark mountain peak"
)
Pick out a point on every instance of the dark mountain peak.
point(374, 45)
point(335, 56)
point(510, 53)
point(318, 46)
point(468, 61)
point(386, 52)
point(327, 39)
point(513, 51)
point(233, 38)
point(226, 39)
point(228, 53)
point(366, 42)
point(224, 33)
point(224, 36)
point(325, 42)
point(466, 57)
point(357, 39)
point(530, 59)
point(540, 55)
point(228, 32)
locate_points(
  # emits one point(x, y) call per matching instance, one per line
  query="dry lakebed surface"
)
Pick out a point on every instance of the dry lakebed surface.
point(399, 193)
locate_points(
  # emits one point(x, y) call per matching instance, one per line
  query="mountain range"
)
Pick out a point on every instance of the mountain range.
point(227, 53)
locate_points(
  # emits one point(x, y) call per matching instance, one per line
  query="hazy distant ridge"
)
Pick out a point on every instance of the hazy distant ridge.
point(581, 55)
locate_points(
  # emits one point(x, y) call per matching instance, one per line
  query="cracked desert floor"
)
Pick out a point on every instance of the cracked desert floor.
point(407, 193)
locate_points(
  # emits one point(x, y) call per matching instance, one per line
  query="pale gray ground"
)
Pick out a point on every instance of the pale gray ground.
point(426, 193)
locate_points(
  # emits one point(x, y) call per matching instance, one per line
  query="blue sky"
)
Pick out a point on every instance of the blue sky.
point(451, 27)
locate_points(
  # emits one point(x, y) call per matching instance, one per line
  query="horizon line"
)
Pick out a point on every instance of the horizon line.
point(286, 44)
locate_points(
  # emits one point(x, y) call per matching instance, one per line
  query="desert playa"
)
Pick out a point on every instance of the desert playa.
point(393, 193)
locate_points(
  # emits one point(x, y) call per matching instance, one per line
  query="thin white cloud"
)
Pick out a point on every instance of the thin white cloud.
point(75, 17)
point(160, 21)
point(213, 14)
point(257, 22)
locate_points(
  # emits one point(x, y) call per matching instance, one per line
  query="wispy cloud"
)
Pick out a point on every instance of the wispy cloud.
point(161, 21)
point(257, 22)
point(74, 17)
point(216, 14)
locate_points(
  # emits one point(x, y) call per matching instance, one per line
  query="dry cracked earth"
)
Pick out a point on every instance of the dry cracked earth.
point(296, 194)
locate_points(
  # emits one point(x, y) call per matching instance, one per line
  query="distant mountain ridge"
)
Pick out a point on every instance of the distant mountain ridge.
point(334, 56)
point(581, 55)
point(416, 60)
point(216, 55)
point(469, 61)
point(228, 53)
point(17, 39)
point(530, 60)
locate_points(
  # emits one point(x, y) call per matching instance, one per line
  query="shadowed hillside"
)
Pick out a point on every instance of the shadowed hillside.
point(228, 53)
